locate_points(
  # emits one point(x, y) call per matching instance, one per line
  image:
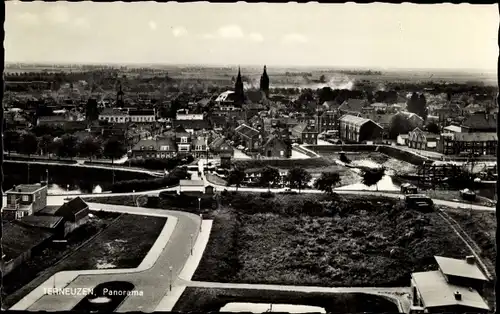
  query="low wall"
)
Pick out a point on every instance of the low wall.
point(304, 151)
point(40, 159)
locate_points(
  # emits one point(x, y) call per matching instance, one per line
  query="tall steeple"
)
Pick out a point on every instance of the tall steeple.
point(264, 82)
point(238, 88)
point(119, 96)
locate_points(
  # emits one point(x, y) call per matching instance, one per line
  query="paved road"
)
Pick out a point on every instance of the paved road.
point(153, 282)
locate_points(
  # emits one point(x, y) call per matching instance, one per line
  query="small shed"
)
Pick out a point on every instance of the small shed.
point(191, 185)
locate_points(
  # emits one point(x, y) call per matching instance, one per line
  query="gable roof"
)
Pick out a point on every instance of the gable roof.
point(304, 127)
point(476, 137)
point(459, 267)
point(247, 131)
point(42, 221)
point(112, 112)
point(69, 209)
point(453, 128)
point(142, 112)
point(358, 121)
point(192, 124)
point(436, 292)
point(199, 141)
point(481, 121)
point(353, 104)
point(161, 141)
point(17, 239)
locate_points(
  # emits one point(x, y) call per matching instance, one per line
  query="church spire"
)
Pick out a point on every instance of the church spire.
point(119, 95)
point(238, 88)
point(264, 82)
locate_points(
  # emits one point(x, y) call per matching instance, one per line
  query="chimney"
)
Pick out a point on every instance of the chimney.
point(458, 296)
point(470, 259)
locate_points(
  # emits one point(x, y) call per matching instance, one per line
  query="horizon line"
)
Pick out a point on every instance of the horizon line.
point(335, 67)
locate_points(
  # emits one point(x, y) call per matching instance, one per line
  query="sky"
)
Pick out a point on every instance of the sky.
point(382, 36)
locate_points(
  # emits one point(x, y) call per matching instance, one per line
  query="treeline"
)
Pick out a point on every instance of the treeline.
point(65, 146)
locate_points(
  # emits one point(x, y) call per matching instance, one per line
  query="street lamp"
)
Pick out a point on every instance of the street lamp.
point(191, 235)
point(170, 283)
point(199, 204)
point(67, 187)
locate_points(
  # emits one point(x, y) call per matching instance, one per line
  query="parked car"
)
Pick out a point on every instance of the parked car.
point(468, 195)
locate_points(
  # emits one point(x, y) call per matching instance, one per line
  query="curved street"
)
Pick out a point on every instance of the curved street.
point(172, 248)
point(153, 280)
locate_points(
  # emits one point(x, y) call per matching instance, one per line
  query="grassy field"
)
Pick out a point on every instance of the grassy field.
point(212, 300)
point(481, 227)
point(123, 243)
point(314, 240)
point(40, 267)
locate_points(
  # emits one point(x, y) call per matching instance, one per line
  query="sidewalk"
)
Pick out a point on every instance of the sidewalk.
point(62, 279)
point(170, 299)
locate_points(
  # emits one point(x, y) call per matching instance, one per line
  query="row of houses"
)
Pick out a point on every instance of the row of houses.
point(179, 142)
point(29, 225)
point(476, 136)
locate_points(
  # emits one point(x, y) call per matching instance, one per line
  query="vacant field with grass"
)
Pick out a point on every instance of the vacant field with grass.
point(40, 267)
point(206, 300)
point(481, 226)
point(123, 245)
point(317, 240)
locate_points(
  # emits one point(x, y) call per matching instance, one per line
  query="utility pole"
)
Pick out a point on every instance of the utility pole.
point(28, 182)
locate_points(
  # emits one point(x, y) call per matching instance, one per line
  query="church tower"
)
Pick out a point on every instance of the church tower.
point(264, 82)
point(238, 89)
point(119, 97)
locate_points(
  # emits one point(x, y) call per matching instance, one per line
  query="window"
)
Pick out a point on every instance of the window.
point(165, 147)
point(19, 214)
point(282, 153)
point(184, 139)
point(26, 198)
point(143, 148)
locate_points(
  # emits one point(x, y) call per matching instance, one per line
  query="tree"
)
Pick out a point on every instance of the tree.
point(236, 176)
point(68, 147)
point(114, 149)
point(373, 176)
point(422, 106)
point(268, 176)
point(432, 127)
point(44, 143)
point(89, 147)
point(399, 125)
point(327, 181)
point(11, 140)
point(28, 144)
point(298, 177)
point(322, 79)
